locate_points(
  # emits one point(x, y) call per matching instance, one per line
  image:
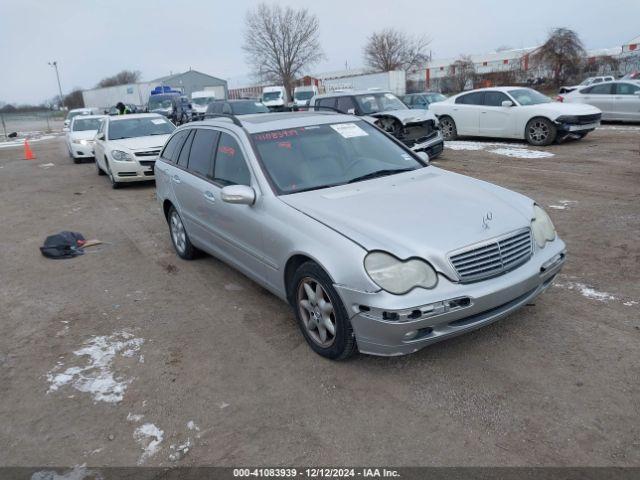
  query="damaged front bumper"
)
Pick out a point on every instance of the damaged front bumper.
point(388, 325)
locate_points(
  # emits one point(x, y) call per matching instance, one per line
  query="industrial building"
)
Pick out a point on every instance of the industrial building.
point(138, 93)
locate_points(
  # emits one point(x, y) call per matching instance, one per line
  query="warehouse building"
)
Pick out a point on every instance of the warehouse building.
point(138, 93)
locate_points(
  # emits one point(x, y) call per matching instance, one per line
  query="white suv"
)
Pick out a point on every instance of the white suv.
point(126, 146)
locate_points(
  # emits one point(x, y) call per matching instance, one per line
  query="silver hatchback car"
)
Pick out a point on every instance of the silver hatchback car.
point(375, 249)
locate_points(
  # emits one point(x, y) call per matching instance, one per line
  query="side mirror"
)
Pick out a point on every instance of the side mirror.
point(424, 156)
point(507, 103)
point(239, 194)
point(100, 136)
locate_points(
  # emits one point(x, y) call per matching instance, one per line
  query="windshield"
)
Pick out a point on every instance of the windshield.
point(139, 127)
point(159, 101)
point(320, 156)
point(435, 97)
point(527, 96)
point(304, 95)
point(245, 108)
point(202, 101)
point(267, 96)
point(379, 102)
point(75, 114)
point(84, 124)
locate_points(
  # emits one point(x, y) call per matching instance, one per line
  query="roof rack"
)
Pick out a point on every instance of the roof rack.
point(233, 118)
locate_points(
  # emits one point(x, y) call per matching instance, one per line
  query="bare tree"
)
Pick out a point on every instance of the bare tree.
point(280, 43)
point(74, 99)
point(461, 72)
point(391, 49)
point(561, 54)
point(122, 78)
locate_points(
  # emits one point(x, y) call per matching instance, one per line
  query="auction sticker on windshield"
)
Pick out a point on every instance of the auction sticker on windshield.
point(349, 130)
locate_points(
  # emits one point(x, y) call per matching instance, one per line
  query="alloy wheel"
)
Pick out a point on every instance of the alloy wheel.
point(539, 131)
point(447, 128)
point(317, 312)
point(178, 234)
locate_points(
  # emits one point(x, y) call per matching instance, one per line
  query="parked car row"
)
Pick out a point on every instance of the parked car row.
point(373, 248)
point(618, 100)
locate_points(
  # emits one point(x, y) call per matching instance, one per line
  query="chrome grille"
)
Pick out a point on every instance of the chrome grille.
point(148, 153)
point(492, 258)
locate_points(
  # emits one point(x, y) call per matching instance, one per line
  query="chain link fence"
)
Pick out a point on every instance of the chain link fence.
point(30, 124)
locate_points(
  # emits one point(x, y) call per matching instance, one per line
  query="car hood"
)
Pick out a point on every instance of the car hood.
point(139, 143)
point(83, 135)
point(425, 213)
point(407, 116)
point(557, 108)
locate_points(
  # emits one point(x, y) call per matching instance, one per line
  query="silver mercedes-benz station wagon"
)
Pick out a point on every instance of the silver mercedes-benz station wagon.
point(375, 249)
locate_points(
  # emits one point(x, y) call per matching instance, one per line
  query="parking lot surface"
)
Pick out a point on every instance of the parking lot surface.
point(128, 355)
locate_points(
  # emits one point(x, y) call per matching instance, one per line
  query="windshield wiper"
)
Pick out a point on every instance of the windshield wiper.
point(379, 173)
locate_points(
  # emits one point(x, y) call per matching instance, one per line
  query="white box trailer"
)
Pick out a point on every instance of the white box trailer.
point(394, 81)
point(103, 98)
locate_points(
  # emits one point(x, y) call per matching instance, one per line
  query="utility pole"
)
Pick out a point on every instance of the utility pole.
point(54, 64)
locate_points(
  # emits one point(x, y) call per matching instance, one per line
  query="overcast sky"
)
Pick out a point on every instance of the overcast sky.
point(92, 39)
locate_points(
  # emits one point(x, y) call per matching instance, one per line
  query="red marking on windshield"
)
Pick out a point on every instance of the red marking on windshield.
point(276, 135)
point(227, 150)
point(285, 145)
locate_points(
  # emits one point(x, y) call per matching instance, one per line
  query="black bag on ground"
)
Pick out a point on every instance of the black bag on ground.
point(63, 245)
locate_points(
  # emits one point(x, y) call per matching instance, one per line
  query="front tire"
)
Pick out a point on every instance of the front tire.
point(181, 243)
point(114, 183)
point(321, 316)
point(540, 132)
point(448, 127)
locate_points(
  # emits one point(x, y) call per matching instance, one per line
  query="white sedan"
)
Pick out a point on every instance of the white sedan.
point(80, 136)
point(127, 146)
point(618, 100)
point(513, 112)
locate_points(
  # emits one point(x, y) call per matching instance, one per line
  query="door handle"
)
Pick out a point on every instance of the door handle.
point(176, 179)
point(209, 196)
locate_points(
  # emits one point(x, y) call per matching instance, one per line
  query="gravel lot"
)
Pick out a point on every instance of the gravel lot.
point(128, 355)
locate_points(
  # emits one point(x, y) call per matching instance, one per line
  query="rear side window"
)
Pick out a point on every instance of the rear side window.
point(172, 148)
point(327, 102)
point(494, 99)
point(346, 103)
point(602, 89)
point(626, 88)
point(475, 98)
point(183, 157)
point(201, 154)
point(230, 167)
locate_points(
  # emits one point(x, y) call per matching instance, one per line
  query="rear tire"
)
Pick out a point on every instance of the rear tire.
point(321, 316)
point(540, 132)
point(448, 127)
point(181, 243)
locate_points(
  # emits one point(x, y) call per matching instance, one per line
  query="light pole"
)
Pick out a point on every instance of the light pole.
point(54, 64)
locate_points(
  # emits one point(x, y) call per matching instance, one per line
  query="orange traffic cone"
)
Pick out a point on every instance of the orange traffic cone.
point(28, 153)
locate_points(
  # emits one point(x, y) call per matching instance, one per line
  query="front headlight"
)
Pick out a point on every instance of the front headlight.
point(80, 142)
point(121, 156)
point(396, 276)
point(542, 227)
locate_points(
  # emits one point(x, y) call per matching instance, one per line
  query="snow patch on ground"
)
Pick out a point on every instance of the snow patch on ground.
point(514, 150)
point(563, 204)
point(79, 472)
point(191, 425)
point(134, 417)
point(96, 376)
point(20, 143)
point(587, 291)
point(149, 437)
